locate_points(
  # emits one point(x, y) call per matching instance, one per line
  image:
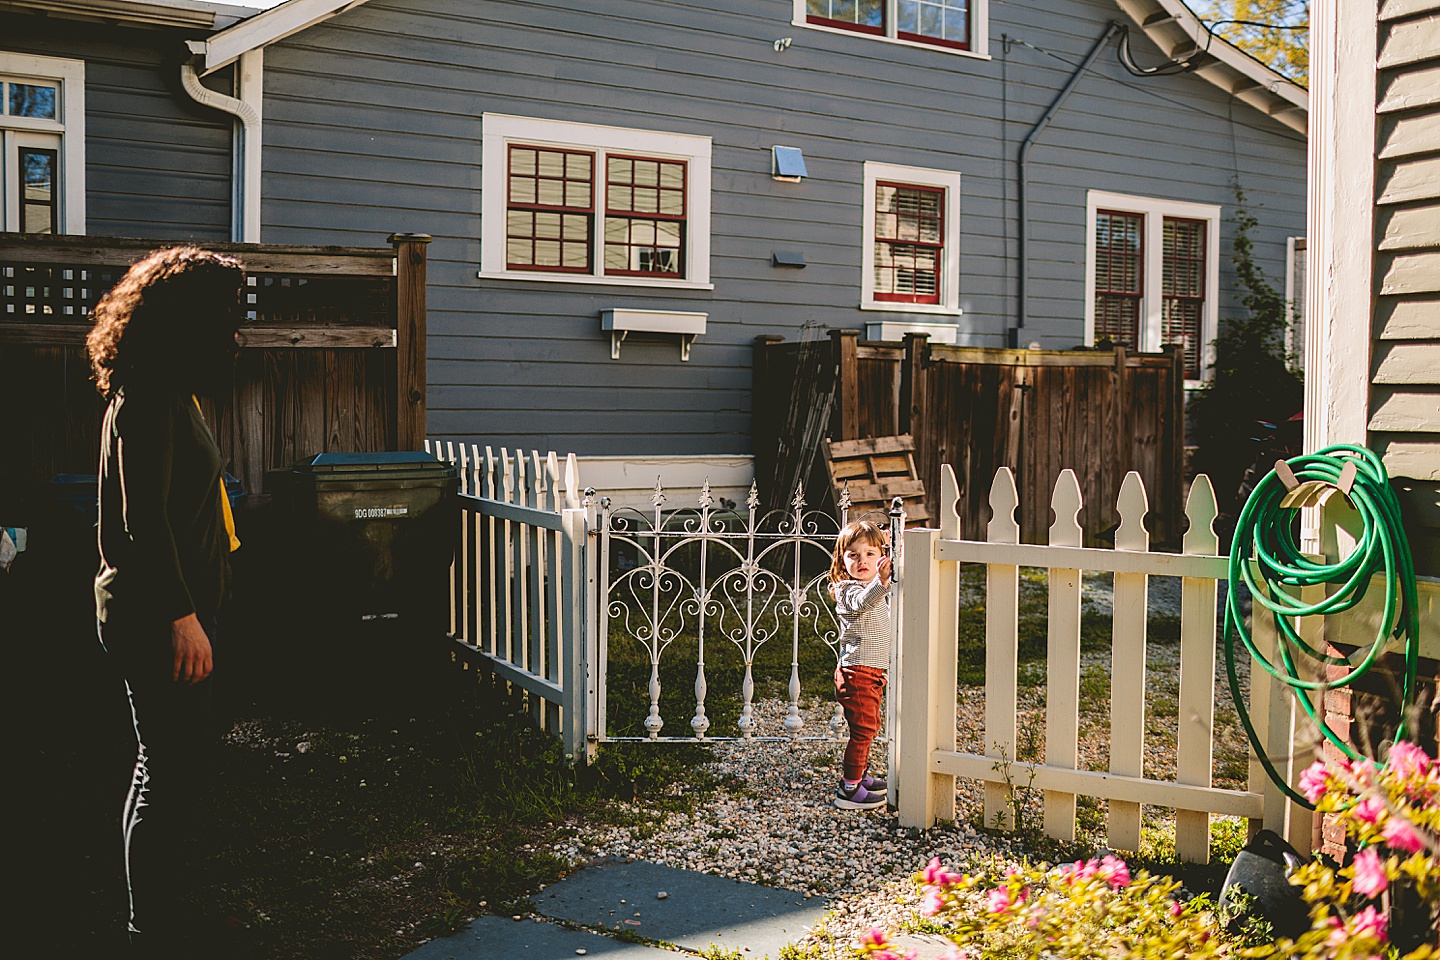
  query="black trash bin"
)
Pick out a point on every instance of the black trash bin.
point(376, 532)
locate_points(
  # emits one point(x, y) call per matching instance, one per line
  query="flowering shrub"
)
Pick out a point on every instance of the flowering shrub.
point(1097, 909)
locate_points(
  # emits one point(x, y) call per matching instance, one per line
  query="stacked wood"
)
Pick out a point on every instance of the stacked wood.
point(873, 472)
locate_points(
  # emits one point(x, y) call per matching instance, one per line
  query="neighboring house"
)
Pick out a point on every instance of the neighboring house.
point(992, 172)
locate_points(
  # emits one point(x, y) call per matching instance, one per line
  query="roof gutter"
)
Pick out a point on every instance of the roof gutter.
point(245, 178)
point(1111, 29)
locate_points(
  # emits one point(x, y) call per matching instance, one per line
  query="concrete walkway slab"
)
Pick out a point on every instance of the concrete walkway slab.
point(698, 910)
point(491, 938)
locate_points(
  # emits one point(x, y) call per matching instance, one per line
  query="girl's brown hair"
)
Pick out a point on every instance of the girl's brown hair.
point(861, 531)
point(170, 321)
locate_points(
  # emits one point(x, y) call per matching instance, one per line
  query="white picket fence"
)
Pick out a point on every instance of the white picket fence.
point(928, 761)
point(524, 600)
point(518, 584)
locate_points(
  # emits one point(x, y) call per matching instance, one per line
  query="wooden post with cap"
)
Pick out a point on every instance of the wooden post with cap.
point(410, 339)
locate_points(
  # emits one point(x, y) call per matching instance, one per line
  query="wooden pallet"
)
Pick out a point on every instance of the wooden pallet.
point(877, 470)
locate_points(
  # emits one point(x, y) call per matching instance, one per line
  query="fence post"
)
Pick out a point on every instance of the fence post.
point(920, 606)
point(1062, 667)
point(1127, 663)
point(410, 338)
point(574, 617)
point(846, 418)
point(912, 415)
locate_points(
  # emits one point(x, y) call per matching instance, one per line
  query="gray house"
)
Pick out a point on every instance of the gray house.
point(624, 194)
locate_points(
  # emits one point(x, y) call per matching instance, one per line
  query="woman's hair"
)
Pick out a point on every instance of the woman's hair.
point(171, 320)
point(856, 531)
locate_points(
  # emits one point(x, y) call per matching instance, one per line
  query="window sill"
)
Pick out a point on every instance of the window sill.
point(915, 45)
point(887, 306)
point(648, 283)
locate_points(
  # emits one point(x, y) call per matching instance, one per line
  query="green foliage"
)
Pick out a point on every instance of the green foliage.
point(1266, 32)
point(1252, 379)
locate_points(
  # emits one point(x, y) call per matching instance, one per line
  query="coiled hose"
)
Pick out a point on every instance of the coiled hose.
point(1266, 557)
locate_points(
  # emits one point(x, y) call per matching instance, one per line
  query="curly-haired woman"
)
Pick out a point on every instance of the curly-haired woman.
point(164, 334)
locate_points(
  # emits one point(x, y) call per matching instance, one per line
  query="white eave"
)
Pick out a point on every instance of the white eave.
point(190, 14)
point(1181, 36)
point(261, 30)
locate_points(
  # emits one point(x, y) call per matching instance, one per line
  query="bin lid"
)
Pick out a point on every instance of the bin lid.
point(390, 464)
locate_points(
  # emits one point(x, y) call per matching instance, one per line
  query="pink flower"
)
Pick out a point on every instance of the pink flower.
point(931, 904)
point(1408, 760)
point(1368, 923)
point(1176, 909)
point(1314, 781)
point(937, 874)
point(1369, 872)
point(1114, 870)
point(998, 900)
point(1370, 809)
point(1401, 834)
point(874, 938)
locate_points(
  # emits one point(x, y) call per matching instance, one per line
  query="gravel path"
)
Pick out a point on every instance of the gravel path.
point(780, 828)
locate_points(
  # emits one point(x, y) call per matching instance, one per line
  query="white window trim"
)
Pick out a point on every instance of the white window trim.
point(499, 130)
point(70, 127)
point(979, 29)
point(949, 180)
point(1151, 302)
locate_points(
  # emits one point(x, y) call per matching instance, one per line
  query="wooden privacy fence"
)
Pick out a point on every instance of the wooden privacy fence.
point(518, 584)
point(927, 760)
point(333, 358)
point(1101, 413)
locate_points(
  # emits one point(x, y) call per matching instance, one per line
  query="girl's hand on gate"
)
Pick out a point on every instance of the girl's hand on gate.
point(883, 570)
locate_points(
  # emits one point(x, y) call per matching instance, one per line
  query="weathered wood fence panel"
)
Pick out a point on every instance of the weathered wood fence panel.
point(1036, 412)
point(328, 343)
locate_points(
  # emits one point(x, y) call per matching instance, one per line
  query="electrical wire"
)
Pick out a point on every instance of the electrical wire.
point(1267, 559)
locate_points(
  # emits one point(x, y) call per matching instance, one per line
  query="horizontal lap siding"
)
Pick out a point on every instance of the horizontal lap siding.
point(1405, 353)
point(373, 125)
point(157, 163)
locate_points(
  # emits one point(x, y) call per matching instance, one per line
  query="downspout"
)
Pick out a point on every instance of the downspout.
point(1111, 29)
point(245, 199)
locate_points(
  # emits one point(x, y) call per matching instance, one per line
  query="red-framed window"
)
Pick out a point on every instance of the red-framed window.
point(550, 209)
point(945, 23)
point(1119, 276)
point(645, 210)
point(909, 242)
point(863, 16)
point(1182, 288)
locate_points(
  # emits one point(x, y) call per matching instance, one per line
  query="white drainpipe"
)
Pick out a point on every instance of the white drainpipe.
point(250, 72)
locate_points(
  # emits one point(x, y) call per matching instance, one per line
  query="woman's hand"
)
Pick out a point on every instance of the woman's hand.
point(193, 657)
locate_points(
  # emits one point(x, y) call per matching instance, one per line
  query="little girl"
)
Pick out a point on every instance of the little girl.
point(860, 584)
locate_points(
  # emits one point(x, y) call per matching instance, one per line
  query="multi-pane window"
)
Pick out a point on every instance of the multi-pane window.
point(644, 217)
point(42, 144)
point(909, 242)
point(579, 202)
point(943, 23)
point(1182, 288)
point(1119, 276)
point(550, 209)
point(1152, 275)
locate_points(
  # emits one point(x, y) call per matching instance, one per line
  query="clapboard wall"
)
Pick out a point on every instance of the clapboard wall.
point(157, 164)
point(374, 117)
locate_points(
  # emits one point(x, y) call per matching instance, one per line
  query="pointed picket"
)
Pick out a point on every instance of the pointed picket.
point(949, 503)
point(1194, 744)
point(1062, 670)
point(1002, 617)
point(1127, 663)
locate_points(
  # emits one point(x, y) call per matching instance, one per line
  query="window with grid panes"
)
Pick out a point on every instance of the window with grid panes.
point(1182, 288)
point(909, 243)
point(644, 217)
point(1119, 276)
point(943, 23)
point(41, 140)
point(550, 205)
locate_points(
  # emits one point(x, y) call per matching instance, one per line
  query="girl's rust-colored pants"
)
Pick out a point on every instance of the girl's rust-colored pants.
point(860, 692)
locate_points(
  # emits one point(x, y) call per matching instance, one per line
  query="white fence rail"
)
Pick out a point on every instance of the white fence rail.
point(928, 760)
point(518, 582)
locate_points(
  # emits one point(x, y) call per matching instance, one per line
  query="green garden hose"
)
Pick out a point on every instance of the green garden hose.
point(1266, 557)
